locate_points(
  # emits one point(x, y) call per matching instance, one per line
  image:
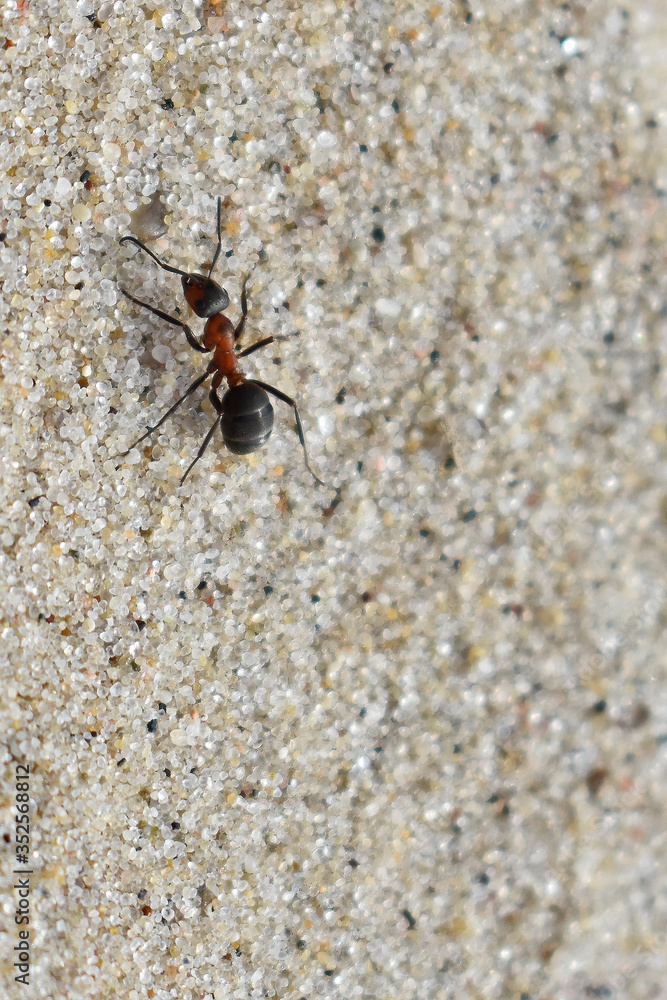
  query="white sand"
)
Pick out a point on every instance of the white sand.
point(414, 747)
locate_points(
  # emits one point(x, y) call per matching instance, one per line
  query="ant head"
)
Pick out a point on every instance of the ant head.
point(204, 296)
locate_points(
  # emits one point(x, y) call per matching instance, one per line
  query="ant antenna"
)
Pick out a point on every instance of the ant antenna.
point(165, 267)
point(219, 247)
point(176, 270)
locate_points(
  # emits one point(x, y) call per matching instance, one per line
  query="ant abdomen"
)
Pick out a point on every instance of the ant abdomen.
point(246, 418)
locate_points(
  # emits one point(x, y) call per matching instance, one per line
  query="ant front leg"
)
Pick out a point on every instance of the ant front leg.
point(299, 427)
point(244, 309)
point(256, 347)
point(189, 335)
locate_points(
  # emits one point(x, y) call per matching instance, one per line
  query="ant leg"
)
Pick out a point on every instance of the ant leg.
point(189, 335)
point(188, 392)
point(244, 309)
point(256, 347)
point(165, 267)
point(217, 404)
point(299, 427)
point(219, 247)
point(203, 448)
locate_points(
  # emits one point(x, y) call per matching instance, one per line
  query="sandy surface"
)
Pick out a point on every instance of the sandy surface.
point(403, 737)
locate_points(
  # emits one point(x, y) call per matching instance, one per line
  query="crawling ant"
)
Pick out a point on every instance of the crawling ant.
point(244, 413)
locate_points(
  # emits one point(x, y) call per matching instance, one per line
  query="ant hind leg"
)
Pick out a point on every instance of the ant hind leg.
point(217, 404)
point(299, 427)
point(188, 392)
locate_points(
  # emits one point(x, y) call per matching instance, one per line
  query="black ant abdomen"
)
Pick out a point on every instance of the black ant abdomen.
point(247, 418)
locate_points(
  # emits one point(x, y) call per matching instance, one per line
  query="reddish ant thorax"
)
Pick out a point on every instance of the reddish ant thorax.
point(219, 337)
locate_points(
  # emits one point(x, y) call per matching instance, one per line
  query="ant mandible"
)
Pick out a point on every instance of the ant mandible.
point(244, 413)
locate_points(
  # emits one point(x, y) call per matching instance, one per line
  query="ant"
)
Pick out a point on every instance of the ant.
point(244, 413)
